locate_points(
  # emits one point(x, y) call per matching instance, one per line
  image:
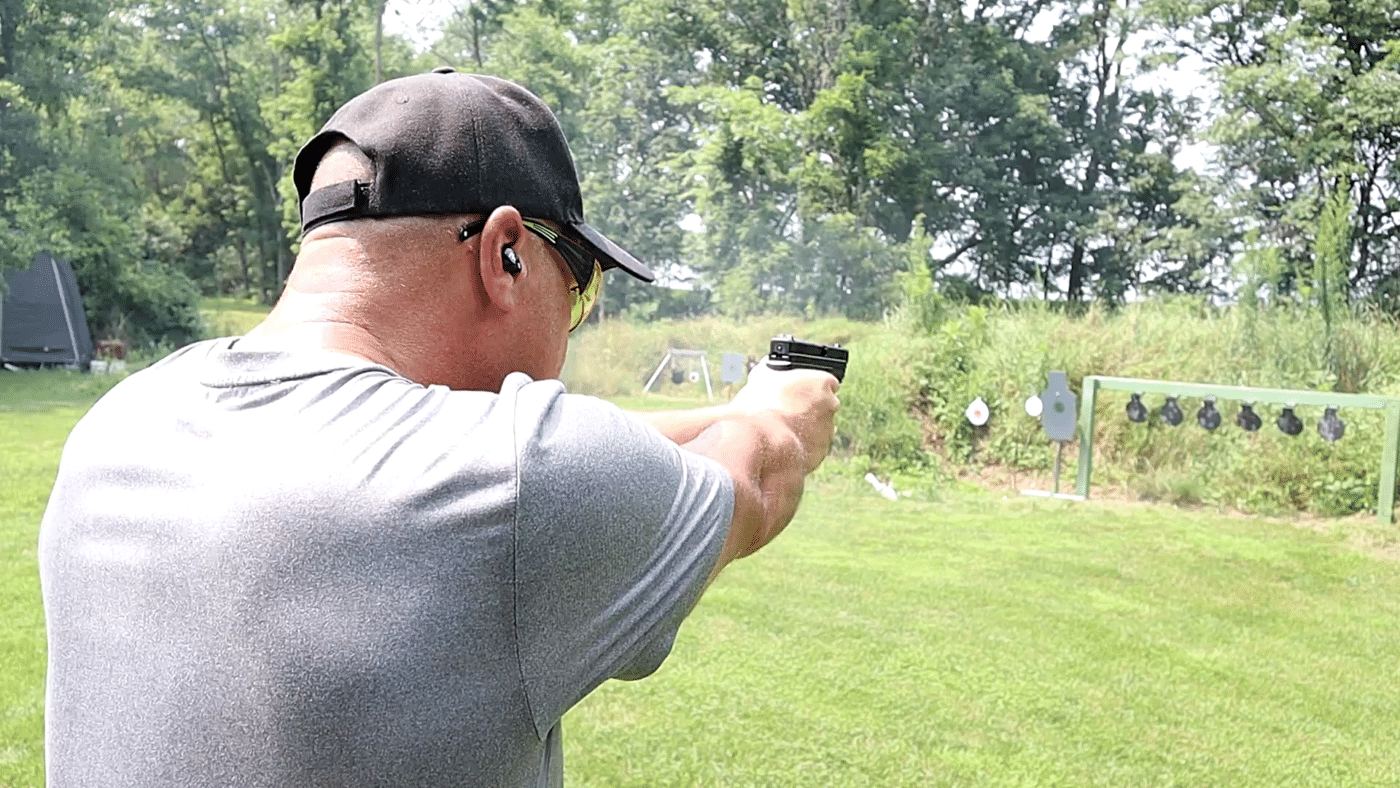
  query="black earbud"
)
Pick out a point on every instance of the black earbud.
point(510, 261)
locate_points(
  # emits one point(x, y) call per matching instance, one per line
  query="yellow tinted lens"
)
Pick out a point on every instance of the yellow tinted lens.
point(581, 302)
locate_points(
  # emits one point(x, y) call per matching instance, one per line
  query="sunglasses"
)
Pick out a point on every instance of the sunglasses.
point(587, 271)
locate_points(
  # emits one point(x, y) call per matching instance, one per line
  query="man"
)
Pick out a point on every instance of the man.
point(374, 542)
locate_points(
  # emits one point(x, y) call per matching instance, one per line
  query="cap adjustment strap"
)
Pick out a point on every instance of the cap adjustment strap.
point(344, 200)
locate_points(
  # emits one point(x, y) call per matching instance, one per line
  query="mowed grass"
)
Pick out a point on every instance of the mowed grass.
point(987, 642)
point(30, 443)
point(965, 640)
point(231, 317)
point(40, 390)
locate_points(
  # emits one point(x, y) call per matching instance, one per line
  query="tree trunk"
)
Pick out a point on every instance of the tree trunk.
point(379, 41)
point(10, 11)
point(1075, 290)
point(245, 286)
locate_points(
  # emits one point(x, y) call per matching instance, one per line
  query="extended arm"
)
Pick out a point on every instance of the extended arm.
point(779, 431)
point(766, 462)
point(684, 426)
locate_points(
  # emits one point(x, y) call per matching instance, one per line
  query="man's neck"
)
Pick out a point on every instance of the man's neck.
point(293, 325)
point(417, 320)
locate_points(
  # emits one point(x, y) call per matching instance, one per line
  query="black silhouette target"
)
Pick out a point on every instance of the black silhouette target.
point(1208, 417)
point(1331, 427)
point(1171, 412)
point(1247, 419)
point(1137, 412)
point(1290, 424)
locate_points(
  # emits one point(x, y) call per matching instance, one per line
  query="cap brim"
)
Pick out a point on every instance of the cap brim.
point(610, 255)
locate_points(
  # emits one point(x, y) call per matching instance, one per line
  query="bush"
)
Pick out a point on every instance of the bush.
point(1003, 356)
point(131, 289)
point(877, 419)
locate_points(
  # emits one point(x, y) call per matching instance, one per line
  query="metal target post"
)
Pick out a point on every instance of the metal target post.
point(674, 353)
point(705, 371)
point(1390, 452)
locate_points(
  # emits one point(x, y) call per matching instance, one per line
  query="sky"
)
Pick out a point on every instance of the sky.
point(416, 19)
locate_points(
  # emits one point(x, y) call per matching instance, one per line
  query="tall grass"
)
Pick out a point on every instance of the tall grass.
point(1003, 355)
point(910, 381)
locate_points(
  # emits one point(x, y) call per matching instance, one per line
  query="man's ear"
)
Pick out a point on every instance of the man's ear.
point(503, 229)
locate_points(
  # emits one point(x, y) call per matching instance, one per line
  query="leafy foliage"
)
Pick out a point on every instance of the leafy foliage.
point(765, 156)
point(1308, 109)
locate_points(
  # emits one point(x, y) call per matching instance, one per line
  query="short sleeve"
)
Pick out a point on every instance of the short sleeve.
point(617, 530)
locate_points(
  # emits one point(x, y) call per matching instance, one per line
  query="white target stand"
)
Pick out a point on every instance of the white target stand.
point(670, 359)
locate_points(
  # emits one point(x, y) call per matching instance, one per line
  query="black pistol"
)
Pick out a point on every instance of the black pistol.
point(784, 352)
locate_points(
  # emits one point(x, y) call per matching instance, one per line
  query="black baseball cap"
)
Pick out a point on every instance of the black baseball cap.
point(447, 143)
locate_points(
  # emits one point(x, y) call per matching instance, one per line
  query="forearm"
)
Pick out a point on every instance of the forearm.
point(768, 467)
point(684, 426)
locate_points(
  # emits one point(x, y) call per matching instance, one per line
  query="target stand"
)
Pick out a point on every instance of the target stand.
point(671, 359)
point(1056, 408)
point(1330, 427)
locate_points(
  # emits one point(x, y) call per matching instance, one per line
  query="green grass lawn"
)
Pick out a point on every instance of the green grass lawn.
point(953, 638)
point(30, 442)
point(231, 317)
point(979, 641)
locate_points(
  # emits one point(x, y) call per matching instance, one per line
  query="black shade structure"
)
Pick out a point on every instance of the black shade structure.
point(41, 317)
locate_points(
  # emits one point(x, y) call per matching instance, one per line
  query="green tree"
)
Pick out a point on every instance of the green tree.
point(1310, 103)
point(42, 65)
point(65, 183)
point(250, 83)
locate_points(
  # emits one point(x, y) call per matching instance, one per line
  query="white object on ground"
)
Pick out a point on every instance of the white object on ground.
point(882, 488)
point(102, 366)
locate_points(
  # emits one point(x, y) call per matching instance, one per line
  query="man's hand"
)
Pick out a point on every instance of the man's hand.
point(803, 399)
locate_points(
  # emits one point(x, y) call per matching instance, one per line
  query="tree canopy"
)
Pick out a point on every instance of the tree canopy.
point(806, 156)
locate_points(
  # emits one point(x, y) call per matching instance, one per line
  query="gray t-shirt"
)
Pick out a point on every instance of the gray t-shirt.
point(305, 570)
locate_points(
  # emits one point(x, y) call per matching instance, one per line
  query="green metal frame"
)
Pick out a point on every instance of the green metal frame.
point(1385, 499)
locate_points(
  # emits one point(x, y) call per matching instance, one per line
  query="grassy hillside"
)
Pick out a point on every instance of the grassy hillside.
point(910, 381)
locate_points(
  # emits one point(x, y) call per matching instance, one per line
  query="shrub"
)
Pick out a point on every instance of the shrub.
point(131, 288)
